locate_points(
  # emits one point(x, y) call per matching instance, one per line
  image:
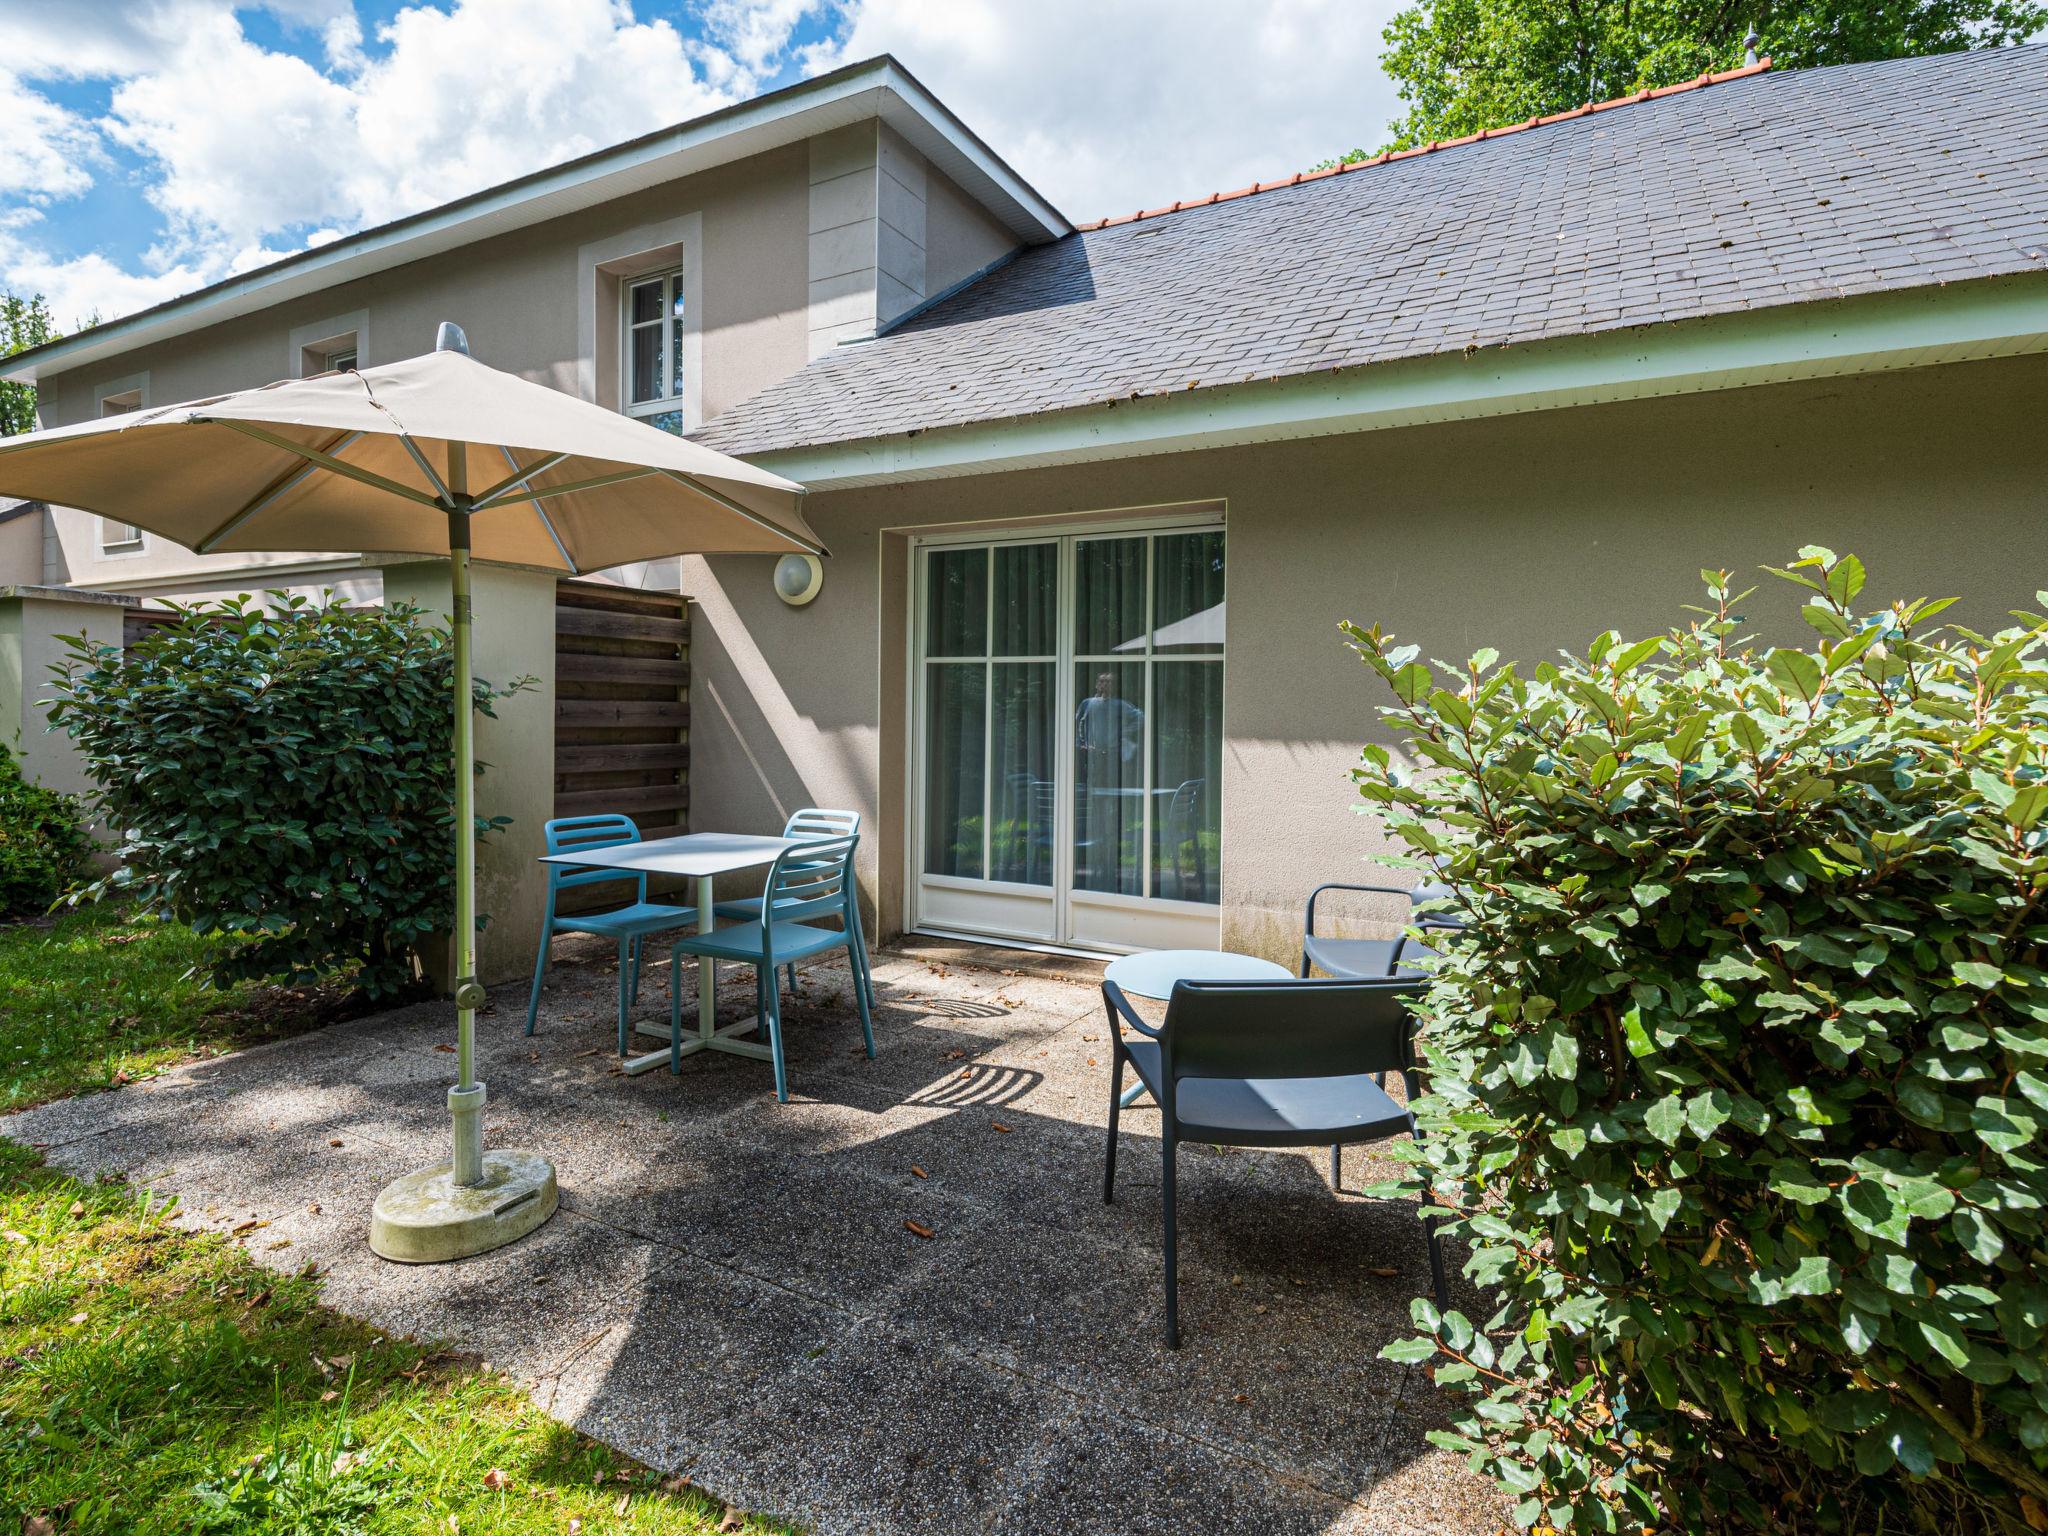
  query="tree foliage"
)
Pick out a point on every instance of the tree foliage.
point(1464, 65)
point(24, 323)
point(43, 847)
point(1738, 1080)
point(281, 775)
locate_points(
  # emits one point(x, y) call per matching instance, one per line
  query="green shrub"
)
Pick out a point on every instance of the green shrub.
point(284, 776)
point(43, 847)
point(1737, 1079)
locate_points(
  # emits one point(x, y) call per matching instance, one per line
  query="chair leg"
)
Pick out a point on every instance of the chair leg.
point(1116, 1092)
point(1172, 1250)
point(675, 1012)
point(860, 1002)
point(540, 969)
point(1336, 1167)
point(775, 1041)
point(625, 962)
point(761, 985)
point(1304, 965)
point(636, 973)
point(1436, 1263)
point(860, 937)
point(789, 970)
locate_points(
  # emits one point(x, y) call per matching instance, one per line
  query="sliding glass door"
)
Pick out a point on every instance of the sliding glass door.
point(1070, 737)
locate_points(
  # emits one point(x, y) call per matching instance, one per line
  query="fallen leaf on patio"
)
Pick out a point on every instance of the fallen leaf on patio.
point(919, 1171)
point(733, 1520)
point(918, 1229)
point(248, 1226)
point(954, 1055)
point(341, 1362)
point(1237, 1279)
point(123, 1077)
point(311, 1271)
point(1242, 1397)
point(447, 1048)
point(1384, 1271)
point(1091, 1061)
point(595, 1050)
point(1261, 1307)
point(282, 1242)
point(334, 1141)
point(313, 1209)
point(495, 1479)
point(997, 1125)
point(675, 1484)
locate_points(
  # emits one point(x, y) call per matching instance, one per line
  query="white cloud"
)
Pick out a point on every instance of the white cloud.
point(1107, 108)
point(45, 151)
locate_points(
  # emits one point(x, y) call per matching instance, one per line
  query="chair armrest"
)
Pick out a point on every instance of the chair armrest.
point(1113, 995)
point(1309, 923)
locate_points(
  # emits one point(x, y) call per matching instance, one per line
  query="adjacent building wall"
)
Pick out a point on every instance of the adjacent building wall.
point(522, 299)
point(1527, 533)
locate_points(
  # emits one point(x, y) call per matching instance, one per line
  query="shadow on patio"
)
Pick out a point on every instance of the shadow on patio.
point(743, 1291)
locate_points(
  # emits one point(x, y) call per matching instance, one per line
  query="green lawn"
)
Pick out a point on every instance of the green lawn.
point(96, 996)
point(153, 1380)
point(158, 1381)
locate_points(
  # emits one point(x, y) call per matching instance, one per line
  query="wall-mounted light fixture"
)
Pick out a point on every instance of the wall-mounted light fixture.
point(798, 578)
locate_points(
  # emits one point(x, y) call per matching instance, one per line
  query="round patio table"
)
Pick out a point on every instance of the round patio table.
point(1154, 973)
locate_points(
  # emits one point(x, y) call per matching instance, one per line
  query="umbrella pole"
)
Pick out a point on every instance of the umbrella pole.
point(476, 1201)
point(466, 1098)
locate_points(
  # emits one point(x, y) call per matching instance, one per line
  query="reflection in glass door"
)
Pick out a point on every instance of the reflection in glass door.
point(1070, 738)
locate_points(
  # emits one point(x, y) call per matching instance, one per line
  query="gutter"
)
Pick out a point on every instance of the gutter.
point(1995, 317)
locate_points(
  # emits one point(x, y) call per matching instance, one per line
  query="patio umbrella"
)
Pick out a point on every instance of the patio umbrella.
point(436, 455)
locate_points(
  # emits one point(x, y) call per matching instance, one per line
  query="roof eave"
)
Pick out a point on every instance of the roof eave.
point(1995, 317)
point(877, 87)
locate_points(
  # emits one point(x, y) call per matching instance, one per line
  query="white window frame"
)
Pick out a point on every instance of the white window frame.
point(117, 397)
point(674, 357)
point(314, 347)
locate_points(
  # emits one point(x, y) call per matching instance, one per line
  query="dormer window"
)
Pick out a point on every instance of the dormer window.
point(651, 348)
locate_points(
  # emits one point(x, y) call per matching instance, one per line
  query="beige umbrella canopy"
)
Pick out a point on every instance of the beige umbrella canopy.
point(352, 461)
point(437, 455)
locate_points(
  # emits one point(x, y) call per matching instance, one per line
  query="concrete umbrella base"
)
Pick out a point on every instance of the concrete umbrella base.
point(427, 1218)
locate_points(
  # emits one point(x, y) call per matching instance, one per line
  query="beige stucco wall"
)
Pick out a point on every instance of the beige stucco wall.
point(1526, 533)
point(961, 236)
point(33, 622)
point(21, 543)
point(521, 298)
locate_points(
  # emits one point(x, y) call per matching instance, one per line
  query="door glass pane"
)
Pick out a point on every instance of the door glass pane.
point(646, 363)
point(1187, 758)
point(1187, 592)
point(1021, 750)
point(1027, 593)
point(955, 700)
point(1109, 776)
point(1109, 598)
point(957, 619)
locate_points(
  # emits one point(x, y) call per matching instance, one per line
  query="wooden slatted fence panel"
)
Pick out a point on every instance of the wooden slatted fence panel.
point(622, 711)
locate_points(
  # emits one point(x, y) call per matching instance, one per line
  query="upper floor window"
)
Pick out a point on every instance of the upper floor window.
point(651, 348)
point(120, 538)
point(341, 360)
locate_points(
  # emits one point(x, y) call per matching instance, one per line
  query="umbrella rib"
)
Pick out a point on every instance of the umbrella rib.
point(539, 511)
point(328, 462)
point(532, 494)
point(734, 507)
point(518, 476)
point(270, 493)
point(440, 486)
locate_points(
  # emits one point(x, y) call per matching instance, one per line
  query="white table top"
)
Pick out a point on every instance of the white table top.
point(695, 853)
point(1154, 973)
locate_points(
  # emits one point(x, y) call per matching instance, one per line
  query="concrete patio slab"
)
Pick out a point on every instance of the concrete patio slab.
point(897, 1304)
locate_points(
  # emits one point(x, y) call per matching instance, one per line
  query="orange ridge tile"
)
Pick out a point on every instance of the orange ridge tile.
point(1433, 147)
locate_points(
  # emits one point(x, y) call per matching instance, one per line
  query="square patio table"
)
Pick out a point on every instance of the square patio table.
point(699, 856)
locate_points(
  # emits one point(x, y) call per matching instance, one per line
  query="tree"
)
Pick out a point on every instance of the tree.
point(1464, 65)
point(24, 323)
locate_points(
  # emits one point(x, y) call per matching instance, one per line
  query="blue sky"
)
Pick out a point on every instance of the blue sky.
point(153, 146)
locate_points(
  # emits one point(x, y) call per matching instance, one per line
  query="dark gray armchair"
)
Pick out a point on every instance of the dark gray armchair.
point(1267, 1064)
point(1363, 958)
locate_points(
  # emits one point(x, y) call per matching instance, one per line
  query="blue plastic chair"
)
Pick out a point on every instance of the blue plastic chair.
point(628, 924)
point(812, 822)
point(810, 880)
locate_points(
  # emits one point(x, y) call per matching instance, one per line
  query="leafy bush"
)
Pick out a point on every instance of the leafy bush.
point(284, 776)
point(43, 847)
point(1737, 1079)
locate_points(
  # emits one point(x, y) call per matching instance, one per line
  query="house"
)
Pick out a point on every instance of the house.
point(1098, 496)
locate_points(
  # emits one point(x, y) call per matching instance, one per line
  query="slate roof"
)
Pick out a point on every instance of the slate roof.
point(1769, 189)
